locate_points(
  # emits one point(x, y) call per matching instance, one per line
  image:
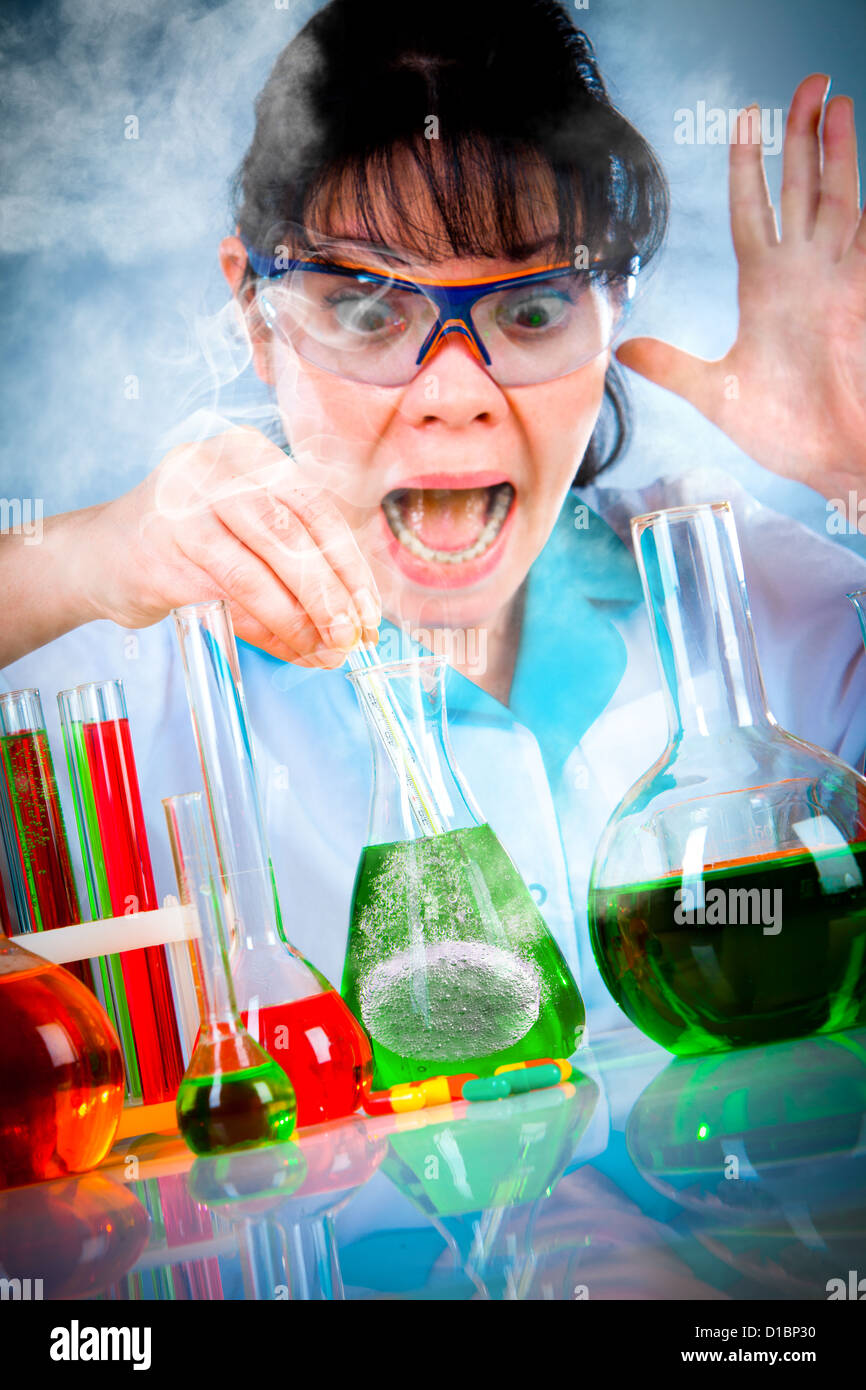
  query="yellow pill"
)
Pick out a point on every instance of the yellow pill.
point(435, 1091)
point(406, 1097)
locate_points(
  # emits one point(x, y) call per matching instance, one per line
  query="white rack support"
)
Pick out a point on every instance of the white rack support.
point(111, 935)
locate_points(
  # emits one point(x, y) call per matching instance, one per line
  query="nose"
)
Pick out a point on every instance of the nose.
point(452, 387)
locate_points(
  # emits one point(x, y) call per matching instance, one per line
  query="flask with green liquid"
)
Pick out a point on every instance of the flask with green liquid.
point(450, 965)
point(232, 1095)
point(728, 893)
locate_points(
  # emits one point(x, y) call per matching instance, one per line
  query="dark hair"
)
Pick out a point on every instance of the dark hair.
point(516, 94)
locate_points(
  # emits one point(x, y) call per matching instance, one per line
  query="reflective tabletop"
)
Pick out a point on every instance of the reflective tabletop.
point(740, 1176)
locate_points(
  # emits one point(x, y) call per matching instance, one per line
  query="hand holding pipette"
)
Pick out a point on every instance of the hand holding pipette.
point(228, 517)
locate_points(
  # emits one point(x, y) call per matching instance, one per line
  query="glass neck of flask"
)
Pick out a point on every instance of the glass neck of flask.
point(199, 884)
point(418, 790)
point(222, 733)
point(692, 574)
point(858, 598)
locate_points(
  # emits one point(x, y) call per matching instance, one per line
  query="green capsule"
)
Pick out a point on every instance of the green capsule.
point(488, 1088)
point(534, 1078)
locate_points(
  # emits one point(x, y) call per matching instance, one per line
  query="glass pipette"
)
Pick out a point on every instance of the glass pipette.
point(396, 737)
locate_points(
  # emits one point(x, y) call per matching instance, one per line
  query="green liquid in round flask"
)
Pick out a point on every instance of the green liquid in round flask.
point(728, 893)
point(450, 966)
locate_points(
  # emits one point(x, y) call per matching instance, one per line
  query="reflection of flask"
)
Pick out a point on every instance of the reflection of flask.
point(727, 899)
point(232, 1095)
point(450, 965)
point(74, 1236)
point(766, 1151)
point(287, 1005)
point(61, 1076)
point(283, 1202)
point(500, 1162)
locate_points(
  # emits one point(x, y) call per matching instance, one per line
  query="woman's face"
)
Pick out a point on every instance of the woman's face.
point(417, 470)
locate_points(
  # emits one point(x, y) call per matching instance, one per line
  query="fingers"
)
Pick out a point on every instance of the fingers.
point(336, 542)
point(240, 574)
point(280, 552)
point(839, 203)
point(276, 534)
point(693, 378)
point(855, 258)
point(801, 167)
point(753, 221)
point(300, 534)
point(251, 630)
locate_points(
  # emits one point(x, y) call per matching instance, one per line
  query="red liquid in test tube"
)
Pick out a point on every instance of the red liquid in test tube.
point(117, 799)
point(37, 837)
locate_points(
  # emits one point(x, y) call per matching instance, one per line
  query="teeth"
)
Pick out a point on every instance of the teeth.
point(493, 525)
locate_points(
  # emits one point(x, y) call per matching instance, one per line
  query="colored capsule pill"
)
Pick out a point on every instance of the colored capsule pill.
point(487, 1088)
point(535, 1078)
point(435, 1091)
point(456, 1083)
point(396, 1101)
point(439, 1090)
point(523, 1066)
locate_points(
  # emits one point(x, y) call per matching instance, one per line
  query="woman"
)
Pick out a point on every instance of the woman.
point(403, 165)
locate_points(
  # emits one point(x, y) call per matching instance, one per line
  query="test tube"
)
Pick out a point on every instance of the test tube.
point(31, 821)
point(119, 877)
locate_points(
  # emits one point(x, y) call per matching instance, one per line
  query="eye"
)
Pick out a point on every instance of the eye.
point(534, 309)
point(366, 314)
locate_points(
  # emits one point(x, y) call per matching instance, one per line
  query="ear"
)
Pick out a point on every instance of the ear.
point(233, 260)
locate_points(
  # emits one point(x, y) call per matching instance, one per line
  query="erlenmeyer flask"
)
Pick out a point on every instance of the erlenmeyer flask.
point(232, 1095)
point(727, 900)
point(286, 1004)
point(449, 964)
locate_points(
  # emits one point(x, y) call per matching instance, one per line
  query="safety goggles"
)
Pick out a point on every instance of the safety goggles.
point(371, 325)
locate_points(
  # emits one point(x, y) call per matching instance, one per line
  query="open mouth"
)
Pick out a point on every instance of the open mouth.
point(448, 526)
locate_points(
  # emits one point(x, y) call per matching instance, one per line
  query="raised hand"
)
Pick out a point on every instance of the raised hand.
point(791, 390)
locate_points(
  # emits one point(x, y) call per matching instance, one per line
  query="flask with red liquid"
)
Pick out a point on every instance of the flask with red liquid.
point(61, 1076)
point(285, 1002)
